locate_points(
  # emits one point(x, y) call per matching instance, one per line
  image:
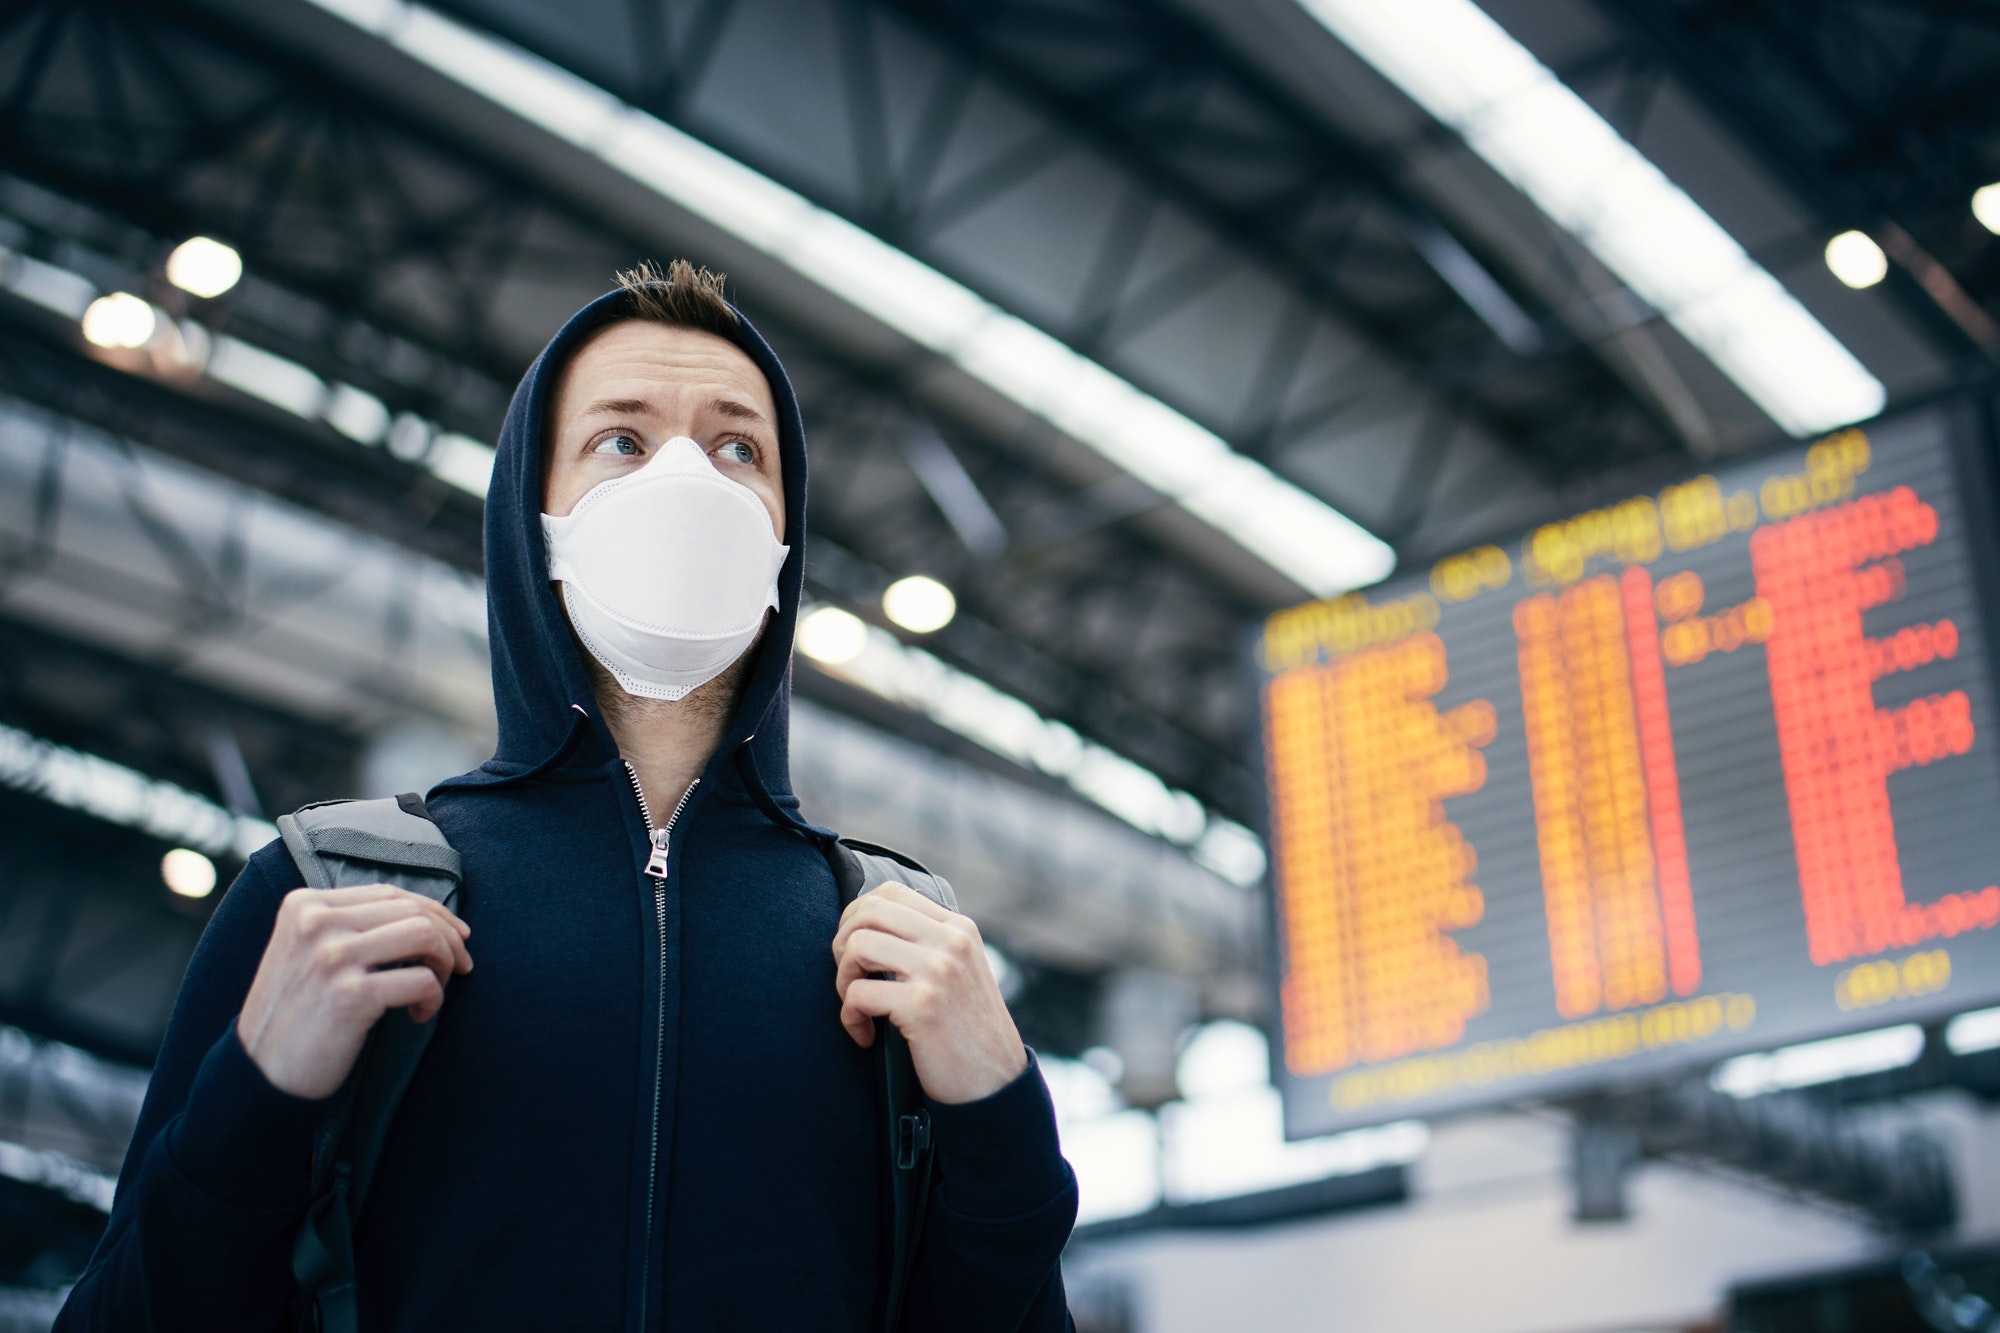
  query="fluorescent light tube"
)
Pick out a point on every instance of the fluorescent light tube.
point(1818, 1062)
point(119, 795)
point(1971, 1033)
point(1458, 64)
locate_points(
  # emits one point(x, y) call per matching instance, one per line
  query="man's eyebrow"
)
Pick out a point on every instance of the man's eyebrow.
point(618, 407)
point(730, 407)
point(623, 407)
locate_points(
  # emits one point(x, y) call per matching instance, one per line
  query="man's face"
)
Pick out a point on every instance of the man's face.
point(637, 385)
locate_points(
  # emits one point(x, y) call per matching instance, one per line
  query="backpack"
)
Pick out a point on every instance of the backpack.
point(394, 841)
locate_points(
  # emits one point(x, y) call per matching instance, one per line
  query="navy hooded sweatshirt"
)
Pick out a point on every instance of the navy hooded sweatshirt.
point(629, 1119)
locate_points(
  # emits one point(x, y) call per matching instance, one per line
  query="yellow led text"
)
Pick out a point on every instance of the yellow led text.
point(1462, 577)
point(1571, 1046)
point(1881, 981)
point(1329, 631)
point(1831, 467)
point(1561, 552)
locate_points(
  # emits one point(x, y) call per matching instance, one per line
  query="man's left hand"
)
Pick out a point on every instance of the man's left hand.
point(938, 990)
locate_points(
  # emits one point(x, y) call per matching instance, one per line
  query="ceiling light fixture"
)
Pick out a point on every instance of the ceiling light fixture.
point(1293, 531)
point(1458, 64)
point(203, 266)
point(188, 873)
point(1968, 1034)
point(1986, 206)
point(278, 380)
point(830, 635)
point(49, 286)
point(118, 795)
point(119, 320)
point(356, 413)
point(1817, 1062)
point(1856, 260)
point(919, 603)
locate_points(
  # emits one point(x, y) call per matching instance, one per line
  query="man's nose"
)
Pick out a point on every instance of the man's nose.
point(680, 454)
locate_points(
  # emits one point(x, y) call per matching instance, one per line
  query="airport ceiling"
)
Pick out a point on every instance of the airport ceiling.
point(1213, 198)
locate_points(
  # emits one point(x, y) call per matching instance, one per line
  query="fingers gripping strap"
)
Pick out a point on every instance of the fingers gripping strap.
point(334, 844)
point(857, 868)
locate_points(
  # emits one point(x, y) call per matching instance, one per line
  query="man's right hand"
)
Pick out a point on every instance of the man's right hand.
point(332, 969)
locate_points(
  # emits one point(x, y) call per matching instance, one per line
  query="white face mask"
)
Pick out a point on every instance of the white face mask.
point(666, 571)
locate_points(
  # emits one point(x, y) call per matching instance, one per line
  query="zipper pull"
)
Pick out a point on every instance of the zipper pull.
point(656, 864)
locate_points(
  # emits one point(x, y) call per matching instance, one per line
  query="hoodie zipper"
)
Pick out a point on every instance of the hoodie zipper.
point(656, 870)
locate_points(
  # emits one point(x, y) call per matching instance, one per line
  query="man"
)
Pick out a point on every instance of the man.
point(651, 1106)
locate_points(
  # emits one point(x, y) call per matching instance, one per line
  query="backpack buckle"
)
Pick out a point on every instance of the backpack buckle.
point(913, 1139)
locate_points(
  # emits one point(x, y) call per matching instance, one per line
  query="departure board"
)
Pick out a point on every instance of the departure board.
point(1706, 770)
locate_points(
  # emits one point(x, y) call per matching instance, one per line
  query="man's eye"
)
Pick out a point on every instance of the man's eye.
point(620, 443)
point(738, 451)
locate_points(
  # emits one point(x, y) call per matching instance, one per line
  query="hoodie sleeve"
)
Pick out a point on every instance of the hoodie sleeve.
point(217, 1177)
point(999, 1218)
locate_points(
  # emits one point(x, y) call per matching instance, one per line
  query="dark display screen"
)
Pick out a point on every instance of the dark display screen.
point(1703, 771)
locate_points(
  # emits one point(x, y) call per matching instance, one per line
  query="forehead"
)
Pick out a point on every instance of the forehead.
point(659, 362)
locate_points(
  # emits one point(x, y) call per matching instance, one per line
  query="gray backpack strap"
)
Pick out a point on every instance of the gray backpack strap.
point(341, 844)
point(337, 844)
point(880, 865)
point(857, 868)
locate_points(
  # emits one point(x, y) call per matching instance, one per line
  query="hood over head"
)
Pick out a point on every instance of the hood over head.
point(548, 714)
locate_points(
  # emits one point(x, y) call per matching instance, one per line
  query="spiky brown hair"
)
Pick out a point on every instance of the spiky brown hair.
point(683, 296)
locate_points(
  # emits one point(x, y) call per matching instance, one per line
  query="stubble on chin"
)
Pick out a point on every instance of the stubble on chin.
point(713, 702)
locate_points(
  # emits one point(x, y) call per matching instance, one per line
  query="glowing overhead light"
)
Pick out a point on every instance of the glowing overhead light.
point(1819, 1061)
point(1462, 67)
point(1986, 206)
point(1231, 851)
point(118, 795)
point(833, 636)
point(204, 266)
point(47, 285)
point(919, 604)
point(357, 414)
point(119, 320)
point(278, 380)
point(463, 461)
point(1856, 260)
point(282, 382)
point(57, 1171)
point(1291, 530)
point(410, 437)
point(1976, 1031)
point(188, 873)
